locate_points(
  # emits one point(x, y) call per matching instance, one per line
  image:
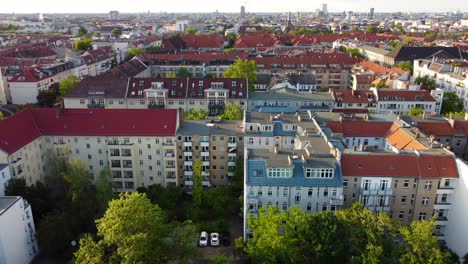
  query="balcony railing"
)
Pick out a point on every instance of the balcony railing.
point(155, 106)
point(96, 105)
point(377, 191)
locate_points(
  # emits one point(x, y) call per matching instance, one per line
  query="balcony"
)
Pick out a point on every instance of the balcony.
point(155, 106)
point(206, 163)
point(188, 173)
point(171, 176)
point(187, 153)
point(204, 144)
point(232, 154)
point(384, 192)
point(187, 144)
point(188, 163)
point(232, 144)
point(442, 220)
point(205, 173)
point(168, 144)
point(188, 183)
point(205, 154)
point(378, 208)
point(337, 200)
point(169, 155)
point(206, 183)
point(96, 105)
point(170, 166)
point(230, 173)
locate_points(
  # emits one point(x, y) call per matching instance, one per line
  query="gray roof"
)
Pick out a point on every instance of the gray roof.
point(205, 127)
point(6, 202)
point(260, 160)
point(3, 165)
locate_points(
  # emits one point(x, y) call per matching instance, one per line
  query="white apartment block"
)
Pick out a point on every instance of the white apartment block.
point(5, 176)
point(450, 77)
point(18, 243)
point(401, 101)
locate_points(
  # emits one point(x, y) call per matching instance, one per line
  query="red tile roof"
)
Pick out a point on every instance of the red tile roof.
point(402, 140)
point(404, 95)
point(353, 96)
point(34, 74)
point(321, 59)
point(403, 165)
point(191, 58)
point(436, 128)
point(204, 41)
point(22, 128)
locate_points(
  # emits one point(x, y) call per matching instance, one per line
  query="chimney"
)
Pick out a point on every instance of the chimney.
point(181, 117)
point(424, 115)
point(275, 150)
point(58, 109)
point(361, 148)
point(451, 121)
point(353, 92)
point(466, 116)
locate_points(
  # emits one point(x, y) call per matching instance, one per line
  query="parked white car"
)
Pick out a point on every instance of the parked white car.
point(203, 241)
point(214, 239)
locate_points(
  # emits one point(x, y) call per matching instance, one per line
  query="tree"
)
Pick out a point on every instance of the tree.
point(104, 191)
point(195, 114)
point(133, 227)
point(421, 246)
point(82, 31)
point(243, 69)
point(83, 44)
point(116, 32)
point(1, 116)
point(405, 65)
point(416, 111)
point(68, 84)
point(89, 251)
point(355, 53)
point(47, 98)
point(426, 83)
point(220, 259)
point(197, 183)
point(232, 39)
point(183, 240)
point(151, 49)
point(451, 103)
point(232, 111)
point(55, 233)
point(372, 29)
point(133, 52)
point(191, 30)
point(183, 72)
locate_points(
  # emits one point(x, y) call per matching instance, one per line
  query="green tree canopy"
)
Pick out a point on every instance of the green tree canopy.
point(426, 83)
point(451, 103)
point(82, 31)
point(191, 30)
point(68, 84)
point(220, 259)
point(195, 114)
point(116, 32)
point(243, 69)
point(83, 44)
point(355, 53)
point(133, 52)
point(90, 251)
point(421, 245)
point(104, 191)
point(197, 192)
point(372, 29)
point(416, 111)
point(132, 230)
point(183, 72)
point(183, 240)
point(405, 65)
point(232, 111)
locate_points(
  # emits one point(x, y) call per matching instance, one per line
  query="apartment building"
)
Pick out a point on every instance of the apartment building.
point(138, 145)
point(199, 64)
point(217, 143)
point(110, 91)
point(401, 101)
point(288, 99)
point(449, 76)
point(18, 243)
point(288, 162)
point(353, 100)
point(408, 186)
point(5, 176)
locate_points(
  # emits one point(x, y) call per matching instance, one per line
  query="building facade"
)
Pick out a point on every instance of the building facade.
point(18, 242)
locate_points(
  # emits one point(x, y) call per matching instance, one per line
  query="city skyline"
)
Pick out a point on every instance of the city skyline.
point(186, 6)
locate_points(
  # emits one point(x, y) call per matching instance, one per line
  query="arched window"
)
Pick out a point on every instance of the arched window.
point(297, 198)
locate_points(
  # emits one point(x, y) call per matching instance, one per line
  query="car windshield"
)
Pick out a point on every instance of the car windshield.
point(203, 238)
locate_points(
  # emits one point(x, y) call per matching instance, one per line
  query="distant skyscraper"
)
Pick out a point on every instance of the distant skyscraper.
point(325, 9)
point(242, 11)
point(371, 13)
point(114, 15)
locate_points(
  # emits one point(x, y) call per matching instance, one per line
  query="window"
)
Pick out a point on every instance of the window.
point(309, 206)
point(319, 173)
point(428, 185)
point(297, 199)
point(404, 199)
point(425, 201)
point(325, 192)
point(383, 184)
point(270, 191)
point(285, 206)
point(285, 192)
point(279, 172)
point(324, 207)
point(447, 183)
point(310, 192)
point(366, 184)
point(401, 215)
point(422, 216)
point(260, 191)
point(444, 197)
point(345, 183)
point(406, 184)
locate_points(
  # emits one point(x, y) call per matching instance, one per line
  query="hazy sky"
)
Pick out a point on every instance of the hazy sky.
point(103, 6)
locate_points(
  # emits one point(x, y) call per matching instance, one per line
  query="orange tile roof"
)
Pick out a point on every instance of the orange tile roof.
point(401, 140)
